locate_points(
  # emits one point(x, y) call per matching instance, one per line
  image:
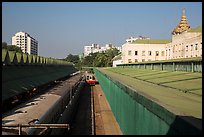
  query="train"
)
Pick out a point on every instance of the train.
point(90, 79)
point(54, 106)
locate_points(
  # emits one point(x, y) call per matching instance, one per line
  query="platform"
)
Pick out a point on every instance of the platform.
point(105, 122)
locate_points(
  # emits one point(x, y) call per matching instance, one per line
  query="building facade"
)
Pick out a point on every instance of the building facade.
point(185, 43)
point(27, 43)
point(117, 60)
point(93, 48)
point(144, 50)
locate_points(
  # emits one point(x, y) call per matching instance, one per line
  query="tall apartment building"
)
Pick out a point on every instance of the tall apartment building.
point(93, 48)
point(185, 43)
point(27, 43)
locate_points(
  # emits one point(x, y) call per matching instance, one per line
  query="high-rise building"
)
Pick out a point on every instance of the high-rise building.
point(27, 43)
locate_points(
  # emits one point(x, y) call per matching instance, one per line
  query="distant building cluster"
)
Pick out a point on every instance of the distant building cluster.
point(185, 43)
point(132, 39)
point(27, 43)
point(93, 48)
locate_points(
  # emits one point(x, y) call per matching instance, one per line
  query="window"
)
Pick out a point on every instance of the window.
point(196, 46)
point(157, 53)
point(143, 53)
point(143, 60)
point(162, 53)
point(191, 47)
point(149, 53)
point(136, 60)
point(136, 53)
point(129, 52)
point(129, 61)
point(186, 47)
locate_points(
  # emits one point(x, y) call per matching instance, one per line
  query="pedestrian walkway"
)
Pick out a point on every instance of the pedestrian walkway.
point(105, 122)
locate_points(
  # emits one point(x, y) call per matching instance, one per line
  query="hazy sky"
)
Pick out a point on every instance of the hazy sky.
point(62, 28)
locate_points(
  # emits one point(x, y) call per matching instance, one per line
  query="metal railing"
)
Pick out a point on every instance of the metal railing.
point(45, 126)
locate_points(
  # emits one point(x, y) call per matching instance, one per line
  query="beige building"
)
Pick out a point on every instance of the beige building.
point(27, 43)
point(144, 50)
point(185, 43)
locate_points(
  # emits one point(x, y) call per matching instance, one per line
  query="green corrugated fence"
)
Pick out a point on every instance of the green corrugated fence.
point(22, 72)
point(138, 115)
point(187, 64)
point(19, 79)
point(14, 58)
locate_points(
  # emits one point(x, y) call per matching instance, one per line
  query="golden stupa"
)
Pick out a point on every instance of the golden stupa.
point(183, 25)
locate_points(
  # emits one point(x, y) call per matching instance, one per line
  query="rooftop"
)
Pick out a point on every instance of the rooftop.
point(151, 41)
point(197, 29)
point(118, 57)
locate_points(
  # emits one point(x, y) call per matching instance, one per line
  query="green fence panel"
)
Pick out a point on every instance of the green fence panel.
point(188, 64)
point(30, 59)
point(25, 58)
point(19, 58)
point(4, 53)
point(138, 115)
point(12, 56)
point(5, 57)
point(19, 79)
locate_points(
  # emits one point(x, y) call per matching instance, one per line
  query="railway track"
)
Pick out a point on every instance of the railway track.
point(71, 107)
point(94, 115)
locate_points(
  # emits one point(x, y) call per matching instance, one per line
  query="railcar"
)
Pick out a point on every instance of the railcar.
point(90, 79)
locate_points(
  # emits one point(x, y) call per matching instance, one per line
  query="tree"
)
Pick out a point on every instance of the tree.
point(14, 48)
point(72, 58)
point(4, 45)
point(11, 47)
point(100, 60)
point(88, 60)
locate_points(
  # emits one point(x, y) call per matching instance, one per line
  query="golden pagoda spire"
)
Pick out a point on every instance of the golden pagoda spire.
point(183, 25)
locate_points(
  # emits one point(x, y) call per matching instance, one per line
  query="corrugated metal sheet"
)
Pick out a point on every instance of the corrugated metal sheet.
point(138, 115)
point(18, 79)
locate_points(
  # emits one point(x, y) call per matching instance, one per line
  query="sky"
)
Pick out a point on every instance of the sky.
point(63, 28)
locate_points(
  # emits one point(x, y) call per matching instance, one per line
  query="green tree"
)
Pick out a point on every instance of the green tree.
point(72, 58)
point(100, 60)
point(14, 48)
point(88, 60)
point(11, 47)
point(103, 59)
point(4, 45)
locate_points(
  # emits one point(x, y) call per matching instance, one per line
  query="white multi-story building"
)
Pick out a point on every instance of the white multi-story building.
point(132, 39)
point(185, 43)
point(27, 43)
point(93, 48)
